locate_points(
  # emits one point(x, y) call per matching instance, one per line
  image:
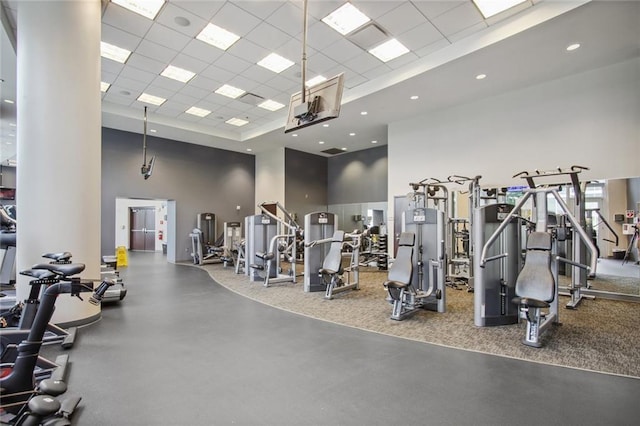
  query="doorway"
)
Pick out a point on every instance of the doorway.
point(142, 229)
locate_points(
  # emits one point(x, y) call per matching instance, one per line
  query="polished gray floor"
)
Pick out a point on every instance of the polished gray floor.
point(182, 350)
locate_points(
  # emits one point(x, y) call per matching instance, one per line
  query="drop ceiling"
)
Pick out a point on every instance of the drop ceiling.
point(449, 41)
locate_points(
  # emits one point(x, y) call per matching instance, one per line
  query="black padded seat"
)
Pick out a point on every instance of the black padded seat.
point(535, 283)
point(63, 270)
point(265, 255)
point(44, 405)
point(39, 274)
point(401, 270)
point(332, 263)
point(62, 256)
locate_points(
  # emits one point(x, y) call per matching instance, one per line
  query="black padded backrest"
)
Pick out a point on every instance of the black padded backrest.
point(401, 269)
point(333, 260)
point(536, 281)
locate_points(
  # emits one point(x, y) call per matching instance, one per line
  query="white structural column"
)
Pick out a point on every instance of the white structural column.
point(59, 141)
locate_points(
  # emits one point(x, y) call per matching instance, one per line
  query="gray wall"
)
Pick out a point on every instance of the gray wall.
point(305, 183)
point(358, 177)
point(198, 178)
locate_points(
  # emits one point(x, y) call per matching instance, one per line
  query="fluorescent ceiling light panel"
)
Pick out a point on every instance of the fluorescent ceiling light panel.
point(176, 73)
point(229, 91)
point(147, 8)
point(104, 86)
point(218, 37)
point(200, 112)
point(346, 19)
point(150, 99)
point(236, 121)
point(315, 80)
point(271, 105)
point(114, 53)
point(275, 63)
point(488, 8)
point(389, 50)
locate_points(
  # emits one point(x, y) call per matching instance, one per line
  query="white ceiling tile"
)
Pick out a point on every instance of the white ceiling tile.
point(283, 84)
point(204, 83)
point(433, 47)
point(467, 32)
point(217, 99)
point(261, 9)
point(189, 117)
point(184, 98)
point(107, 77)
point(232, 63)
point(377, 72)
point(250, 52)
point(234, 19)
point(167, 37)
point(288, 18)
point(320, 63)
point(343, 50)
point(354, 80)
point(170, 12)
point(172, 109)
point(159, 91)
point(113, 96)
point(267, 36)
point(375, 9)
point(189, 63)
point(362, 62)
point(145, 63)
point(434, 8)
point(167, 83)
point(123, 39)
point(203, 51)
point(130, 84)
point(138, 75)
point(194, 92)
point(457, 19)
point(245, 84)
point(292, 50)
point(403, 60)
point(125, 20)
point(401, 19)
point(155, 51)
point(420, 36)
point(204, 9)
point(320, 9)
point(320, 35)
point(110, 66)
point(258, 74)
point(216, 73)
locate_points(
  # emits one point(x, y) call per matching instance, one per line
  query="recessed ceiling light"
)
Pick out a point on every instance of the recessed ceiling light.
point(295, 135)
point(325, 125)
point(275, 63)
point(573, 46)
point(249, 150)
point(147, 8)
point(389, 50)
point(150, 99)
point(321, 142)
point(374, 141)
point(229, 91)
point(9, 101)
point(344, 148)
point(104, 86)
point(271, 105)
point(176, 73)
point(363, 113)
point(152, 130)
point(200, 112)
point(345, 19)
point(481, 76)
point(218, 37)
point(236, 121)
point(414, 97)
point(488, 8)
point(352, 134)
point(113, 52)
point(315, 80)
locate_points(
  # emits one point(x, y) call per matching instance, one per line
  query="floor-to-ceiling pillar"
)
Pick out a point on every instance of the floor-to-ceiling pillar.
point(59, 148)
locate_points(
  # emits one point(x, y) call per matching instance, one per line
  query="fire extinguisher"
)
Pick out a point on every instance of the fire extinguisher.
point(160, 236)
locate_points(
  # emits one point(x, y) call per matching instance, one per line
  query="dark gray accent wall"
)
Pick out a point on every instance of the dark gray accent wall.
point(198, 178)
point(358, 177)
point(305, 189)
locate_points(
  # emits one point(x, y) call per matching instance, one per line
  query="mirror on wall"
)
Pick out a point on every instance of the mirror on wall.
point(361, 216)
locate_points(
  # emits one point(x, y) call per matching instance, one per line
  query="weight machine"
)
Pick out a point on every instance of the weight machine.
point(318, 226)
point(204, 245)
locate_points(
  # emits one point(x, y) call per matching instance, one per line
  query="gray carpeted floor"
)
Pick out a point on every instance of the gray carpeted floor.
point(601, 335)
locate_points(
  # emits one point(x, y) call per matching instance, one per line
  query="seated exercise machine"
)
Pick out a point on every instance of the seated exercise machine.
point(205, 248)
point(399, 279)
point(281, 245)
point(21, 401)
point(536, 286)
point(335, 277)
point(318, 226)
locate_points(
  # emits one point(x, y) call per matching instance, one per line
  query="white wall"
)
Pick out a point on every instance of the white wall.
point(122, 220)
point(270, 177)
point(590, 119)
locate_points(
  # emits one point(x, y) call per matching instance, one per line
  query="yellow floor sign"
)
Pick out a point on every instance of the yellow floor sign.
point(121, 256)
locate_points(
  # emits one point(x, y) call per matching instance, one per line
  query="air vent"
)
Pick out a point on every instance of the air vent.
point(333, 151)
point(251, 98)
point(369, 36)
